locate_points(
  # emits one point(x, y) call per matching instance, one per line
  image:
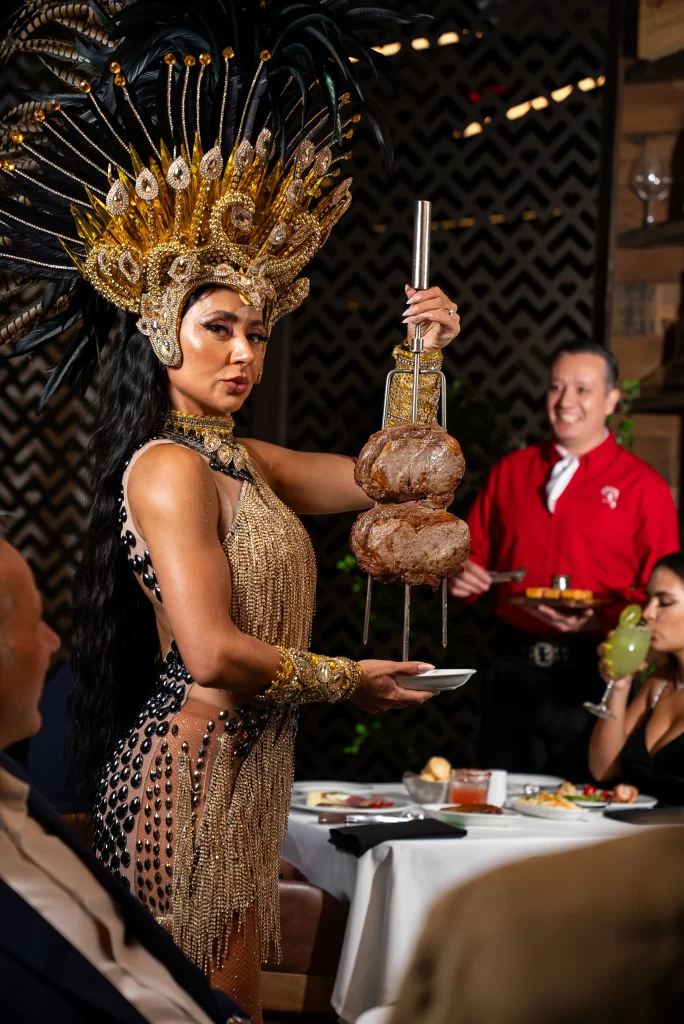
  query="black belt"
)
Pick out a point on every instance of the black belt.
point(547, 650)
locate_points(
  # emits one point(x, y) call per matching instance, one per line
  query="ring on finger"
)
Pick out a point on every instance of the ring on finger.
point(451, 313)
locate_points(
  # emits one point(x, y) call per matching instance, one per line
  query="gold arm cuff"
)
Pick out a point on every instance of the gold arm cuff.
point(305, 678)
point(400, 405)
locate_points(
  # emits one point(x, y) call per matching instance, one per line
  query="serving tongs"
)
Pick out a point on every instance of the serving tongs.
point(513, 576)
point(420, 273)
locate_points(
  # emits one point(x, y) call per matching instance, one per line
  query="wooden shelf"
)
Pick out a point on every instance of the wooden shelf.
point(660, 265)
point(652, 108)
point(663, 70)
point(668, 401)
point(667, 233)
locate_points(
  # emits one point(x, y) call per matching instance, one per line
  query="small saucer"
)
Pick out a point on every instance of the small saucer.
point(437, 679)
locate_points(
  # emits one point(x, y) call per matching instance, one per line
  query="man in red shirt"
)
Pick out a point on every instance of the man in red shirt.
point(577, 505)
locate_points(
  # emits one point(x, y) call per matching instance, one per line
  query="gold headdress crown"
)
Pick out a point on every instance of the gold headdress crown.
point(145, 212)
point(183, 223)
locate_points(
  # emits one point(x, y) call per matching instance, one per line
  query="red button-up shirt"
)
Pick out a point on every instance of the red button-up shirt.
point(613, 521)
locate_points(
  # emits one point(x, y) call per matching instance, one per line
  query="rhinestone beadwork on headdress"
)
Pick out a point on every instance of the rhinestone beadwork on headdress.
point(221, 151)
point(218, 223)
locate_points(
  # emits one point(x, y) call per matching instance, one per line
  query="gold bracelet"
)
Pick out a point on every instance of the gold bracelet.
point(305, 678)
point(400, 405)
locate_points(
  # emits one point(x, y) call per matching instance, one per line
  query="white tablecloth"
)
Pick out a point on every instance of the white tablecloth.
point(390, 889)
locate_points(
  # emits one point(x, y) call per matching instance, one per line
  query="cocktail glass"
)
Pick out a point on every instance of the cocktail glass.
point(624, 651)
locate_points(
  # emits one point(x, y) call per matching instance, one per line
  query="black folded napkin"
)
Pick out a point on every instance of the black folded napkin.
point(660, 815)
point(358, 839)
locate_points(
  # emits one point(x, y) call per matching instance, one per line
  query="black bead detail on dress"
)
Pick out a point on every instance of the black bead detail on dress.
point(116, 829)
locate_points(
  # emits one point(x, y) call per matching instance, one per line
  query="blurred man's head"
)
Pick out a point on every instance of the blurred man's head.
point(26, 644)
point(583, 391)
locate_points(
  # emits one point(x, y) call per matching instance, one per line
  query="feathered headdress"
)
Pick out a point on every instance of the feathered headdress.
point(196, 144)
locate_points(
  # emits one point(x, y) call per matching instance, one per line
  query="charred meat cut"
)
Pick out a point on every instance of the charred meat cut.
point(411, 542)
point(411, 462)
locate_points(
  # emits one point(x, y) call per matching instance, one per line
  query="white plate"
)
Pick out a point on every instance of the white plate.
point(643, 802)
point(465, 820)
point(545, 811)
point(331, 786)
point(400, 804)
point(437, 679)
point(593, 805)
point(516, 781)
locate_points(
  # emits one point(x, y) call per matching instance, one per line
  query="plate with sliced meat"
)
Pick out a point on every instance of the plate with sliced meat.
point(341, 800)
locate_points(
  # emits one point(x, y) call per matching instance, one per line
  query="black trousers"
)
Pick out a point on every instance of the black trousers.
point(532, 716)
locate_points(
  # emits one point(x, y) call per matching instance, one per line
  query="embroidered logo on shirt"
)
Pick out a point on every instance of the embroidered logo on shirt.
point(610, 496)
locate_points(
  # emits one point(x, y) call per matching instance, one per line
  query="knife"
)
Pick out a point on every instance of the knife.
point(366, 819)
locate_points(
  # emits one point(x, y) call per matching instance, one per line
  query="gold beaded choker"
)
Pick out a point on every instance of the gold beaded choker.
point(185, 423)
point(211, 436)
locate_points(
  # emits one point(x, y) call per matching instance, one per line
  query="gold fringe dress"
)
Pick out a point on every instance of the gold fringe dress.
point(191, 811)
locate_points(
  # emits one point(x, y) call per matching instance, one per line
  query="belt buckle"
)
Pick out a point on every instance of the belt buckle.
point(544, 654)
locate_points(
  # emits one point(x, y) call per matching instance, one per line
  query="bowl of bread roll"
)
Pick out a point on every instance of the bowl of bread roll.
point(431, 786)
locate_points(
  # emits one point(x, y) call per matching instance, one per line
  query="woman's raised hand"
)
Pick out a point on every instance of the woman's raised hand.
point(379, 690)
point(437, 314)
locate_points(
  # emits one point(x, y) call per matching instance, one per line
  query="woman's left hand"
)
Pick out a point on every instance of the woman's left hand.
point(437, 314)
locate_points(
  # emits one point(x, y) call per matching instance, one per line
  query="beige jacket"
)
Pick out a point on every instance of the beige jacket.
point(591, 936)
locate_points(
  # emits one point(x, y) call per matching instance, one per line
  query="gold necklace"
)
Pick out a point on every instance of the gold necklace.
point(185, 423)
point(211, 436)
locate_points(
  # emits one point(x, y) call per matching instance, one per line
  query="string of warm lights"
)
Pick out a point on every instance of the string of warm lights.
point(473, 222)
point(537, 103)
point(446, 39)
point(514, 112)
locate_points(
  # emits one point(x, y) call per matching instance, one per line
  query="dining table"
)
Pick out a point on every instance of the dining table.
point(392, 886)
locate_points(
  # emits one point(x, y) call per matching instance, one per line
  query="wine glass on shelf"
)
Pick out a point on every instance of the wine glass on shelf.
point(624, 651)
point(651, 181)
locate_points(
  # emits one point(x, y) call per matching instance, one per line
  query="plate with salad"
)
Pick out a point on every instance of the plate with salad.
point(590, 797)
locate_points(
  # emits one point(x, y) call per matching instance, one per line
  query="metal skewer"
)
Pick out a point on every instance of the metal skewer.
point(420, 274)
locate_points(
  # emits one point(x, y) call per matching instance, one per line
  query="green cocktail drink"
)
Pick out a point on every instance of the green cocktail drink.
point(626, 646)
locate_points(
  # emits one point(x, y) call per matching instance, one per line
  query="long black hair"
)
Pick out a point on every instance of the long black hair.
point(115, 640)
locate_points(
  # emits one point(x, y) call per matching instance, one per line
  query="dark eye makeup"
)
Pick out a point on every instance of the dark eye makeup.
point(219, 327)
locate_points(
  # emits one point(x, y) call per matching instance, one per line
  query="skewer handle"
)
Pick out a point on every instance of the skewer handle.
point(420, 274)
point(420, 268)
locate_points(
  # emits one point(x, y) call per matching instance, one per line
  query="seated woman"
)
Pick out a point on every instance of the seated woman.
point(644, 743)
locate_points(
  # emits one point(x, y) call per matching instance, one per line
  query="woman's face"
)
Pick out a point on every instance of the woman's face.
point(223, 342)
point(664, 612)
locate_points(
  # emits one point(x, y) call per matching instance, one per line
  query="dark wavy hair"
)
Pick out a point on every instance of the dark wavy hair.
point(115, 640)
point(115, 643)
point(674, 562)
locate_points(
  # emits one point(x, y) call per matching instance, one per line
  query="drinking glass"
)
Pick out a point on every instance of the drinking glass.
point(469, 786)
point(651, 182)
point(601, 709)
point(624, 651)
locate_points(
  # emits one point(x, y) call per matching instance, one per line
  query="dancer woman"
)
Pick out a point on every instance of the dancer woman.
point(195, 592)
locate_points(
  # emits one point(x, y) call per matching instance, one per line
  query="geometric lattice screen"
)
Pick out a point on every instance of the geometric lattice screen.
point(515, 205)
point(514, 240)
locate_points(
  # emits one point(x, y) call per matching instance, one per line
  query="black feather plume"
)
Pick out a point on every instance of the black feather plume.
point(76, 137)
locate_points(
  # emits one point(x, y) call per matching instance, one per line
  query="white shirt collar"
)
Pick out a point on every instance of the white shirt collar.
point(13, 802)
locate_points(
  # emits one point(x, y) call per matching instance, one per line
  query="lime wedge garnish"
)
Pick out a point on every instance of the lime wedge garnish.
point(631, 615)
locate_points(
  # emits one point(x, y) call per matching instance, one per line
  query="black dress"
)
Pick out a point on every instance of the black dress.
point(660, 774)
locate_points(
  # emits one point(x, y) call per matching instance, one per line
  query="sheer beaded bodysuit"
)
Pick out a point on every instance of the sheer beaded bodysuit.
point(191, 811)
